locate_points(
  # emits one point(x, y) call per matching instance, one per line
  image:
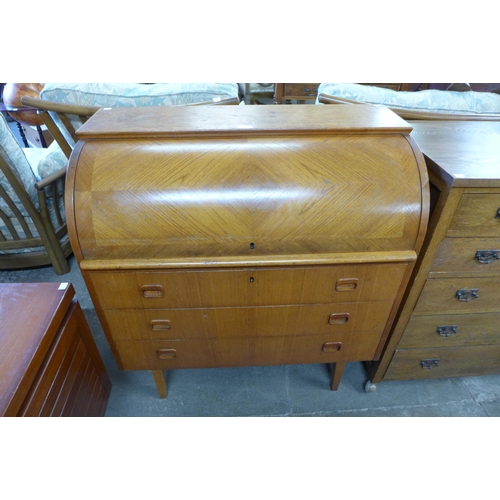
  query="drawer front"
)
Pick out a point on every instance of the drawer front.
point(451, 330)
point(477, 215)
point(300, 90)
point(164, 354)
point(247, 287)
point(461, 255)
point(410, 364)
point(440, 296)
point(219, 323)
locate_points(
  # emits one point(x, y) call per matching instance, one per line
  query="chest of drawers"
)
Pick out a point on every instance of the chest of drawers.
point(449, 324)
point(256, 235)
point(49, 362)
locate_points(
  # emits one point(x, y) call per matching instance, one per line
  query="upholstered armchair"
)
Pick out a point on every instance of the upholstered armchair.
point(32, 218)
point(432, 104)
point(64, 107)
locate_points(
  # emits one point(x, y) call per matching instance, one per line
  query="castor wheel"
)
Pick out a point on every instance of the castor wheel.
point(369, 387)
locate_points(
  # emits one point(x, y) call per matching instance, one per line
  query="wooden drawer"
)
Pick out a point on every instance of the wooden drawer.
point(300, 90)
point(471, 329)
point(450, 361)
point(439, 296)
point(247, 287)
point(477, 215)
point(219, 323)
point(458, 255)
point(164, 354)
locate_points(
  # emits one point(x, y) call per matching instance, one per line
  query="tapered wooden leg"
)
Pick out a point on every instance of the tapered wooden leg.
point(338, 370)
point(161, 383)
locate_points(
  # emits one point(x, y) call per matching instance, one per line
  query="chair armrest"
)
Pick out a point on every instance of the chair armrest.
point(227, 101)
point(50, 179)
point(57, 107)
point(330, 99)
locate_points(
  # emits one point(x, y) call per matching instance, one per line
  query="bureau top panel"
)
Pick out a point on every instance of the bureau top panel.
point(175, 121)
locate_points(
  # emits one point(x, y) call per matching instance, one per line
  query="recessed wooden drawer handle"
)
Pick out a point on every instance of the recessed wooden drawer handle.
point(487, 256)
point(152, 291)
point(346, 284)
point(447, 330)
point(166, 353)
point(332, 346)
point(429, 363)
point(338, 318)
point(159, 325)
point(467, 294)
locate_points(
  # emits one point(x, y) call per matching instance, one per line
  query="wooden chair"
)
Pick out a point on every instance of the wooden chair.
point(32, 219)
point(63, 120)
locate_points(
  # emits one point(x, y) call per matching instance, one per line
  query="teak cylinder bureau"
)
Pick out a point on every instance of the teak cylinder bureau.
point(248, 235)
point(449, 325)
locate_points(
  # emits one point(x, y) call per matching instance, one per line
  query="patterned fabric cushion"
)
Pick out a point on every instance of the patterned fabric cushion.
point(136, 94)
point(46, 161)
point(432, 100)
point(34, 155)
point(13, 154)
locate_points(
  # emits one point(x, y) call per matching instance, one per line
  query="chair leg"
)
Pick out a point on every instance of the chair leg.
point(49, 238)
point(338, 370)
point(161, 383)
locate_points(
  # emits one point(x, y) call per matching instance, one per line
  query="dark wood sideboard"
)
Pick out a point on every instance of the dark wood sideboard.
point(449, 323)
point(246, 235)
point(49, 363)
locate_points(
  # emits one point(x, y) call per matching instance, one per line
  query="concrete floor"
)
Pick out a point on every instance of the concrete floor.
point(293, 390)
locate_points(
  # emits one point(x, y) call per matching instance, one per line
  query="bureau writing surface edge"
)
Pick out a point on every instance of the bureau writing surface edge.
point(251, 236)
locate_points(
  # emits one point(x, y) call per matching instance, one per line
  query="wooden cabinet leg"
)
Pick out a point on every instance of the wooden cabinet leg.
point(338, 370)
point(161, 383)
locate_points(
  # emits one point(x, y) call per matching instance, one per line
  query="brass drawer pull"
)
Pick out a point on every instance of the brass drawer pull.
point(487, 256)
point(159, 325)
point(467, 294)
point(429, 363)
point(332, 346)
point(166, 353)
point(152, 291)
point(338, 318)
point(346, 284)
point(447, 330)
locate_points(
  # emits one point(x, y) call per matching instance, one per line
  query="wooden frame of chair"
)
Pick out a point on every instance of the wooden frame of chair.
point(412, 114)
point(62, 111)
point(49, 236)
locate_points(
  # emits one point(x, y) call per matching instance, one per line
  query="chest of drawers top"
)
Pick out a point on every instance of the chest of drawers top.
point(463, 154)
point(261, 183)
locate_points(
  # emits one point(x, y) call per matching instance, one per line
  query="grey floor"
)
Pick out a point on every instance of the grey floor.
point(280, 391)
